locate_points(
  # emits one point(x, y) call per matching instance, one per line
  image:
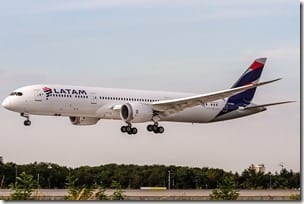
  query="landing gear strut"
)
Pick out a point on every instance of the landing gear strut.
point(155, 128)
point(27, 122)
point(129, 129)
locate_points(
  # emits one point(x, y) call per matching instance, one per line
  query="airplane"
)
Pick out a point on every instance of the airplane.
point(87, 105)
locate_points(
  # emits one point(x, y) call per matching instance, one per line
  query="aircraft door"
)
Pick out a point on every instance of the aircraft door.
point(93, 98)
point(38, 95)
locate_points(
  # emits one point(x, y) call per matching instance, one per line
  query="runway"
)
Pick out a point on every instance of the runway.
point(58, 194)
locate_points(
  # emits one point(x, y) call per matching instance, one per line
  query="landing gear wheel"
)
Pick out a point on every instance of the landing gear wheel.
point(160, 129)
point(155, 128)
point(27, 122)
point(134, 130)
point(123, 129)
point(150, 128)
point(128, 129)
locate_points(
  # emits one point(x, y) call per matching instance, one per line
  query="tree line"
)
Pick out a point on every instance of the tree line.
point(50, 175)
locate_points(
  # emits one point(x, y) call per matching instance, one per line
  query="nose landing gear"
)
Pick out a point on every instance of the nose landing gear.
point(27, 122)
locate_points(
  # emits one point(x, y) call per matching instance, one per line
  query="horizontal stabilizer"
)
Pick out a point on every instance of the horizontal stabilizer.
point(268, 104)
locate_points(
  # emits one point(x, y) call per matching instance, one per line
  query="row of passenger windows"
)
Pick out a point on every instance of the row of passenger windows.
point(211, 104)
point(66, 96)
point(104, 98)
point(127, 99)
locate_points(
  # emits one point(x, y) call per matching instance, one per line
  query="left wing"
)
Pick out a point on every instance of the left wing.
point(168, 107)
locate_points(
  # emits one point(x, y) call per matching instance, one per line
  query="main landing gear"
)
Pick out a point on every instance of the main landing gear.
point(155, 128)
point(27, 122)
point(129, 129)
point(133, 130)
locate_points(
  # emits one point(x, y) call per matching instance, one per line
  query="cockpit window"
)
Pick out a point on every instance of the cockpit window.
point(16, 94)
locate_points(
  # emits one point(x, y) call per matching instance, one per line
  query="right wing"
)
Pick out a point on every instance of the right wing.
point(167, 107)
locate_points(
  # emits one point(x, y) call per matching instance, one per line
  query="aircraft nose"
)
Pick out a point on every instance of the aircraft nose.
point(6, 103)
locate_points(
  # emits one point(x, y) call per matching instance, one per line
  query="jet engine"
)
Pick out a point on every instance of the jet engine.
point(136, 112)
point(83, 120)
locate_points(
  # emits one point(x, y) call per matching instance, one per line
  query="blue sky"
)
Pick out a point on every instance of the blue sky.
point(190, 46)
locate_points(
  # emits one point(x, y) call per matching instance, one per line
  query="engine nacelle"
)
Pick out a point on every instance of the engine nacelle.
point(136, 112)
point(83, 120)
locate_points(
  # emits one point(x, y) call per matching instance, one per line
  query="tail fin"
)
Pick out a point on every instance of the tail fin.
point(251, 75)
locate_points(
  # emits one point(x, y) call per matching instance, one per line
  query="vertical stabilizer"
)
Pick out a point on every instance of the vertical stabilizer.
point(251, 75)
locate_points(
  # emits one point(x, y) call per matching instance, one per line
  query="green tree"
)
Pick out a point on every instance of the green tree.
point(84, 193)
point(78, 193)
point(100, 194)
point(135, 176)
point(118, 193)
point(225, 191)
point(23, 188)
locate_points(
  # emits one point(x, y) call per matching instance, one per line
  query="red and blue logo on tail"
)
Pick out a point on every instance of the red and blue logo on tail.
point(251, 75)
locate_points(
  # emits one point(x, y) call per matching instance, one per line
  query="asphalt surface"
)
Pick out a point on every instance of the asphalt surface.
point(166, 193)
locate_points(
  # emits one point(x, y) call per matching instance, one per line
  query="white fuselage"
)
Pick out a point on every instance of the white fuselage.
point(100, 103)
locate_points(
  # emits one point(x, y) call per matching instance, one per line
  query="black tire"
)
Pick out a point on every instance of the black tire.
point(155, 131)
point(128, 129)
point(123, 129)
point(27, 122)
point(160, 129)
point(150, 128)
point(155, 128)
point(134, 130)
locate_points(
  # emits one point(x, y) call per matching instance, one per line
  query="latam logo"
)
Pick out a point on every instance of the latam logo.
point(49, 91)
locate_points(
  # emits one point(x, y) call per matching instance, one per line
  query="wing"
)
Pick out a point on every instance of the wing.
point(168, 107)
